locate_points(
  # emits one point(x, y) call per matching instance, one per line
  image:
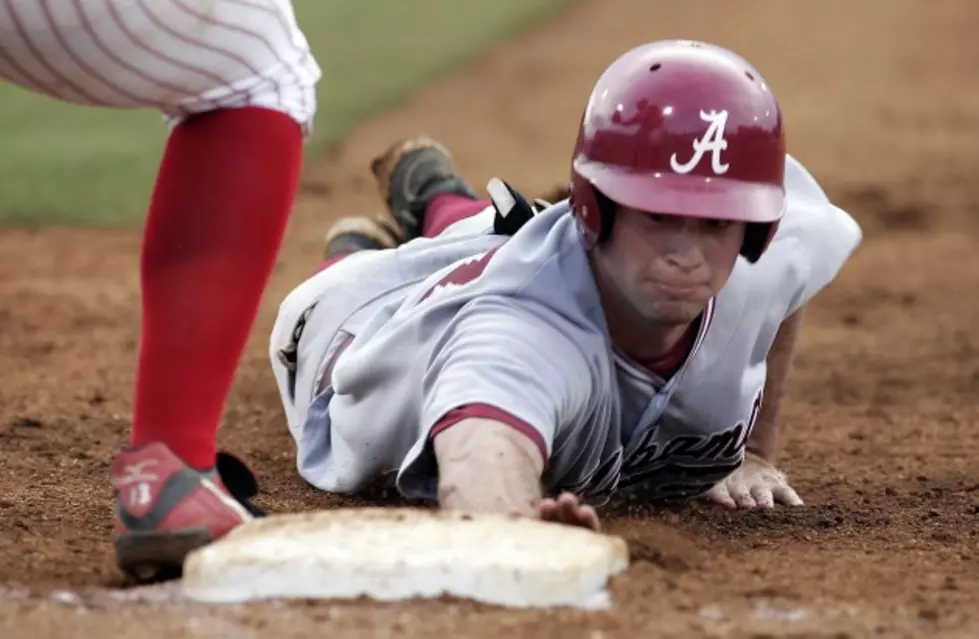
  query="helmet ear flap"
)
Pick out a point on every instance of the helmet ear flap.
point(606, 209)
point(757, 237)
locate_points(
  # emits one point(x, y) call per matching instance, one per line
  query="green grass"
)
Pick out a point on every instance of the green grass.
point(66, 164)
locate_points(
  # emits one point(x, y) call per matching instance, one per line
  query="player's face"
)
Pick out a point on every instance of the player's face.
point(667, 267)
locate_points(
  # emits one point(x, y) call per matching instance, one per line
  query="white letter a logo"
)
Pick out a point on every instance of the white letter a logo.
point(713, 141)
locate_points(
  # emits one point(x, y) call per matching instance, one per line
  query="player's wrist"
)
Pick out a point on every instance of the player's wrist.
point(763, 450)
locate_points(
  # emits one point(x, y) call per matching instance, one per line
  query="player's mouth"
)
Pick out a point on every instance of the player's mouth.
point(675, 290)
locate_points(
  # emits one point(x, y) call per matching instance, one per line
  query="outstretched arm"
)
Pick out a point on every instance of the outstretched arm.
point(506, 382)
point(758, 483)
point(823, 238)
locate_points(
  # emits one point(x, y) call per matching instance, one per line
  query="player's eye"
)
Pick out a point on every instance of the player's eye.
point(659, 219)
point(717, 225)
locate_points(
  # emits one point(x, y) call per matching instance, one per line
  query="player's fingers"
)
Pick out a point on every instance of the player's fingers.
point(588, 518)
point(741, 496)
point(560, 510)
point(568, 501)
point(547, 509)
point(567, 507)
point(719, 494)
point(571, 508)
point(784, 494)
point(762, 494)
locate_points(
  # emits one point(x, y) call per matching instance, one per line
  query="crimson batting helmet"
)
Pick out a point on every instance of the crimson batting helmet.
point(681, 128)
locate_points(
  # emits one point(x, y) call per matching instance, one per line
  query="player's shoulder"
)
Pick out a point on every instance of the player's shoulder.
point(814, 240)
point(553, 265)
point(800, 182)
point(810, 215)
point(531, 258)
point(540, 275)
point(541, 263)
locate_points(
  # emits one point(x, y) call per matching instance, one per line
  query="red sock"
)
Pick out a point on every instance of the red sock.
point(223, 195)
point(446, 209)
point(443, 211)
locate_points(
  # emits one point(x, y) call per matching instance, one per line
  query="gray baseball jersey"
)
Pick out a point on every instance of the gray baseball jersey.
point(372, 353)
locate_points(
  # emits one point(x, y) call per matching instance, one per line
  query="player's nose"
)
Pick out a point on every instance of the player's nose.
point(684, 252)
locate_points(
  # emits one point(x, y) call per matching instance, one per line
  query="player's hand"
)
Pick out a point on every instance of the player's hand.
point(757, 484)
point(568, 509)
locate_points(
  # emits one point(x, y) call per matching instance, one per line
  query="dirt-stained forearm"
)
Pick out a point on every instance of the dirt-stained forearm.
point(487, 466)
point(764, 440)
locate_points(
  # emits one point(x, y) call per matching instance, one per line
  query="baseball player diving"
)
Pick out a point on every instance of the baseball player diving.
point(637, 334)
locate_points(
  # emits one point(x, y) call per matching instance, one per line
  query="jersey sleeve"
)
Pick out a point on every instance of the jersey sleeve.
point(822, 235)
point(507, 359)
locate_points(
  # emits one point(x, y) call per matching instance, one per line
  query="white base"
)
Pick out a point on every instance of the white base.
point(391, 554)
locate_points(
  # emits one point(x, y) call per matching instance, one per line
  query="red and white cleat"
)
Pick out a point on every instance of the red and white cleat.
point(165, 509)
